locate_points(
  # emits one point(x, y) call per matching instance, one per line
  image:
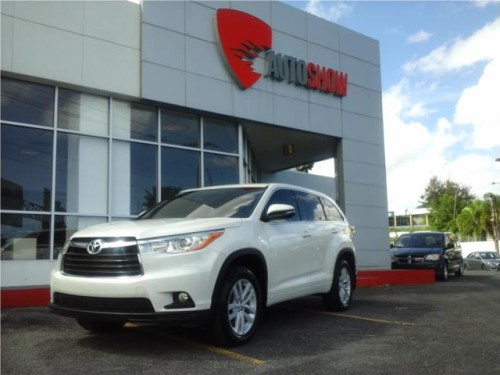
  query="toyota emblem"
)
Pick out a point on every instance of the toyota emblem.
point(95, 247)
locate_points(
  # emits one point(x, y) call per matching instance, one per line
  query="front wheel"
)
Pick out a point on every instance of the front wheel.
point(444, 272)
point(238, 308)
point(339, 297)
point(461, 270)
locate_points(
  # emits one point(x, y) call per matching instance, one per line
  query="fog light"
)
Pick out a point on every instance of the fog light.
point(183, 297)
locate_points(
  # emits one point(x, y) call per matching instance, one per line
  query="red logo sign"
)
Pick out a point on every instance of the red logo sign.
point(242, 37)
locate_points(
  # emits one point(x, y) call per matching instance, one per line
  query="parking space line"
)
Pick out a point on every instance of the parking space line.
point(382, 321)
point(214, 349)
point(221, 351)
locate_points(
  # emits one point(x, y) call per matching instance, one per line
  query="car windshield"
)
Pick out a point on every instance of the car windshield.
point(237, 202)
point(424, 240)
point(490, 255)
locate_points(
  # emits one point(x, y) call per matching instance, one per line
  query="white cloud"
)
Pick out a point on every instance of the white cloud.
point(419, 37)
point(479, 107)
point(414, 153)
point(461, 146)
point(331, 11)
point(481, 46)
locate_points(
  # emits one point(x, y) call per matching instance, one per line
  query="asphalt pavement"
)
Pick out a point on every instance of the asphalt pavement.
point(448, 327)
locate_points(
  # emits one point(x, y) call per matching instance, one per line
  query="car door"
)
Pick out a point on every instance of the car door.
point(319, 232)
point(288, 259)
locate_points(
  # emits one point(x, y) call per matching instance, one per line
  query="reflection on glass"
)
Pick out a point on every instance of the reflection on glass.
point(26, 168)
point(220, 135)
point(25, 237)
point(81, 174)
point(134, 178)
point(310, 207)
point(82, 112)
point(220, 169)
point(134, 120)
point(180, 128)
point(28, 103)
point(180, 169)
point(331, 211)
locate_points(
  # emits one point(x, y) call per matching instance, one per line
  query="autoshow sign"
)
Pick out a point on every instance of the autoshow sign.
point(242, 37)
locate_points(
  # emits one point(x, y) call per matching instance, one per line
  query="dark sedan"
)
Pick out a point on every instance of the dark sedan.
point(439, 251)
point(483, 260)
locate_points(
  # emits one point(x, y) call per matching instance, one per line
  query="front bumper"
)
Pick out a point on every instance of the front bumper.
point(152, 296)
point(186, 318)
point(437, 266)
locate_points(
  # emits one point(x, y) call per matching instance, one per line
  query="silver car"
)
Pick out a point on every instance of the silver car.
point(483, 260)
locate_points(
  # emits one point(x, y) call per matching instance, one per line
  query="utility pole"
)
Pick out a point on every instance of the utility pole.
point(494, 220)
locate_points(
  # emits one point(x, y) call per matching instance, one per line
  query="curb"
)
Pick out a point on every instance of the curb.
point(40, 296)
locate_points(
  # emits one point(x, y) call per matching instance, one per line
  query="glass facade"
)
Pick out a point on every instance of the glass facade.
point(72, 159)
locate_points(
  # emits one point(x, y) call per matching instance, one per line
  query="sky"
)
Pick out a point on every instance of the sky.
point(440, 66)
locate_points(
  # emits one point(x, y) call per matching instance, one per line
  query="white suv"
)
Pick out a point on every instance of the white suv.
point(216, 256)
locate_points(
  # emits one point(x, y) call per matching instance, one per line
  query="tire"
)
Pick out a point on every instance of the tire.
point(444, 272)
point(339, 298)
point(461, 270)
point(238, 308)
point(100, 326)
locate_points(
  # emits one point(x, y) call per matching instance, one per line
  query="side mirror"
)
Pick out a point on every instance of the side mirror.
point(279, 212)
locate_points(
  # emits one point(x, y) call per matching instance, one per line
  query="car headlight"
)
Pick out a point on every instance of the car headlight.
point(179, 244)
point(432, 257)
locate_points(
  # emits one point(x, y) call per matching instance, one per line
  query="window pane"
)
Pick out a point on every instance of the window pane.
point(220, 135)
point(180, 169)
point(81, 174)
point(82, 112)
point(25, 237)
point(26, 168)
point(220, 169)
point(310, 207)
point(134, 120)
point(180, 128)
point(67, 225)
point(331, 211)
point(134, 178)
point(27, 102)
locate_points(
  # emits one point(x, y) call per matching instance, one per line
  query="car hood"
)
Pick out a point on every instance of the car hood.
point(152, 228)
point(416, 251)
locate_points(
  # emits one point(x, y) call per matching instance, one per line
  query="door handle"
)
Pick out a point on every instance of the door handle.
point(306, 235)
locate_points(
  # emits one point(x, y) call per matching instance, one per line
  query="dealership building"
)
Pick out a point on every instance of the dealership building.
point(111, 106)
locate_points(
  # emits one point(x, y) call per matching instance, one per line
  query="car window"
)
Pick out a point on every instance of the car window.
point(423, 240)
point(331, 210)
point(210, 203)
point(284, 196)
point(310, 207)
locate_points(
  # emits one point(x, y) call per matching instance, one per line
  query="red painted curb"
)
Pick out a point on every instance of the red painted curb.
point(25, 297)
point(370, 279)
point(365, 279)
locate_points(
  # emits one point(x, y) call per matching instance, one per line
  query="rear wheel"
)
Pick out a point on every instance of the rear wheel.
point(238, 308)
point(100, 326)
point(339, 297)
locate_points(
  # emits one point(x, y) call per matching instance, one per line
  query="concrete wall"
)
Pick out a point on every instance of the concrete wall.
point(181, 64)
point(92, 44)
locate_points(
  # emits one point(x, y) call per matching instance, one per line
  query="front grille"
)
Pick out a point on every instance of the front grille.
point(112, 305)
point(119, 257)
point(408, 260)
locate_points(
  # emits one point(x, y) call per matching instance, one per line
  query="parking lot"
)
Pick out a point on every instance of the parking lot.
point(448, 327)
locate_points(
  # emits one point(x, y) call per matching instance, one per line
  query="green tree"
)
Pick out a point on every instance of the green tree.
point(445, 200)
point(473, 222)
